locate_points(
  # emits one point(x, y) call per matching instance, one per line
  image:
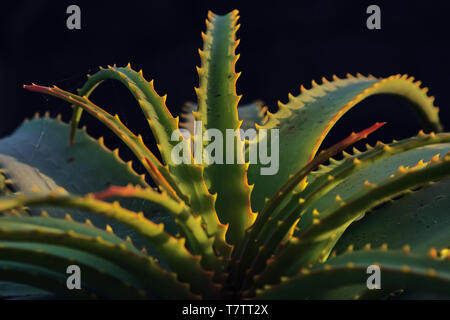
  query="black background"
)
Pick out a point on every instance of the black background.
point(283, 44)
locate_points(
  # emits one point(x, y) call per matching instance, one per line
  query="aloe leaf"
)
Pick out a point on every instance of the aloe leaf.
point(398, 270)
point(305, 121)
point(100, 277)
point(190, 226)
point(217, 109)
point(315, 241)
point(288, 188)
point(134, 142)
point(156, 281)
point(67, 225)
point(419, 219)
point(186, 179)
point(181, 177)
point(36, 157)
point(38, 277)
point(375, 173)
point(171, 249)
point(266, 222)
point(302, 205)
point(153, 105)
point(11, 290)
point(319, 189)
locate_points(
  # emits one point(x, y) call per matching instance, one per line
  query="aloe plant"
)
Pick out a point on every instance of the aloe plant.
point(226, 231)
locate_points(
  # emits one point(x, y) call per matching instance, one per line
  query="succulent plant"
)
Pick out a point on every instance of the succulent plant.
point(224, 230)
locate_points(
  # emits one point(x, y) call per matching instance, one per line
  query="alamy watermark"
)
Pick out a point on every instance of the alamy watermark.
point(73, 21)
point(374, 20)
point(74, 278)
point(199, 151)
point(374, 280)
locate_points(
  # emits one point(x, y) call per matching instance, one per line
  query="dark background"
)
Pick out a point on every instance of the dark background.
point(283, 44)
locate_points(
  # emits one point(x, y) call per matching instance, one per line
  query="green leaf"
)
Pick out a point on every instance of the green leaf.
point(15, 290)
point(100, 277)
point(271, 226)
point(171, 249)
point(217, 109)
point(153, 106)
point(158, 282)
point(398, 271)
point(374, 173)
point(134, 142)
point(190, 226)
point(67, 225)
point(39, 277)
point(37, 157)
point(185, 179)
point(419, 219)
point(305, 121)
point(324, 187)
point(317, 241)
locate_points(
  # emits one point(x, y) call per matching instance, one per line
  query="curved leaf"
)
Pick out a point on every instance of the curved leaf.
point(318, 240)
point(268, 222)
point(172, 249)
point(156, 281)
point(13, 290)
point(37, 157)
point(187, 179)
point(398, 271)
point(217, 109)
point(374, 173)
point(419, 219)
point(132, 141)
point(339, 172)
point(306, 119)
point(67, 225)
point(100, 276)
point(190, 226)
point(39, 277)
